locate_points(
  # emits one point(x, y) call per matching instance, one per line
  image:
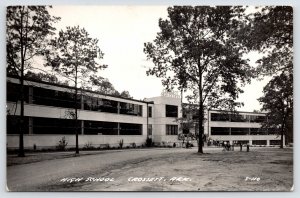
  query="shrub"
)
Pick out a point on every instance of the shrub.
point(133, 145)
point(149, 142)
point(121, 143)
point(88, 146)
point(62, 144)
point(34, 147)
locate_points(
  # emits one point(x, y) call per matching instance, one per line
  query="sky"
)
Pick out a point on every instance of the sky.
point(122, 32)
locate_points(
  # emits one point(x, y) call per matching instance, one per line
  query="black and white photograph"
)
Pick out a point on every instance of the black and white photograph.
point(149, 98)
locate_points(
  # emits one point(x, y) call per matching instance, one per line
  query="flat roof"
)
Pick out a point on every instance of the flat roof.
point(196, 105)
point(88, 91)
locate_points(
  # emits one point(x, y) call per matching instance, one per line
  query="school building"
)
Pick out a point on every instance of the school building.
point(106, 119)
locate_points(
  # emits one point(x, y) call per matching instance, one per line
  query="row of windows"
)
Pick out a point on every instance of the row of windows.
point(240, 131)
point(48, 97)
point(236, 118)
point(68, 126)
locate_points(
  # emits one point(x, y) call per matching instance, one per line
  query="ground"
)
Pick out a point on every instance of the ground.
point(167, 169)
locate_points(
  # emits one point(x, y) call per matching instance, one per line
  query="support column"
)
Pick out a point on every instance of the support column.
point(268, 142)
point(250, 142)
point(119, 107)
point(82, 127)
point(118, 128)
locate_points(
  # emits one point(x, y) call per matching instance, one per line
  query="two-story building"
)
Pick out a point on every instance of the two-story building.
point(107, 119)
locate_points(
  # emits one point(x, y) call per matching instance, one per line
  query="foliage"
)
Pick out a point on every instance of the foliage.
point(149, 142)
point(133, 145)
point(105, 87)
point(125, 94)
point(196, 49)
point(270, 31)
point(278, 102)
point(88, 146)
point(75, 55)
point(27, 31)
point(62, 144)
point(121, 143)
point(45, 77)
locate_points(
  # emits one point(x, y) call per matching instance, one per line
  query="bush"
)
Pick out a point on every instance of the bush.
point(121, 143)
point(62, 144)
point(149, 142)
point(88, 146)
point(133, 145)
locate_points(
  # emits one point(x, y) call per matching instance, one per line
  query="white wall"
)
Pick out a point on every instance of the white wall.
point(53, 140)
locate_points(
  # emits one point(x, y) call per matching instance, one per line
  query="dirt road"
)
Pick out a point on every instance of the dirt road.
point(159, 170)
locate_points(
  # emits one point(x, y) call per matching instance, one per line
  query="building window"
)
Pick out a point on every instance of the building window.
point(258, 131)
point(239, 131)
point(131, 109)
point(259, 142)
point(220, 131)
point(172, 129)
point(131, 129)
point(275, 142)
point(171, 111)
point(54, 98)
point(54, 126)
point(149, 112)
point(257, 119)
point(219, 117)
point(13, 124)
point(100, 104)
point(13, 92)
point(100, 128)
point(243, 142)
point(239, 118)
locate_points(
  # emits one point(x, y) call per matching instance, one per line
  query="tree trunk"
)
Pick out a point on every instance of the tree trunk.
point(21, 137)
point(76, 113)
point(200, 119)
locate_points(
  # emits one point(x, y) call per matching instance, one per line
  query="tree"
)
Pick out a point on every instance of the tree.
point(125, 94)
point(105, 87)
point(270, 31)
point(196, 49)
point(76, 56)
point(28, 28)
point(278, 102)
point(45, 77)
point(41, 76)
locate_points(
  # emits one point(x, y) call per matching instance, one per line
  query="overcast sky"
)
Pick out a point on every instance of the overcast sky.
point(122, 32)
